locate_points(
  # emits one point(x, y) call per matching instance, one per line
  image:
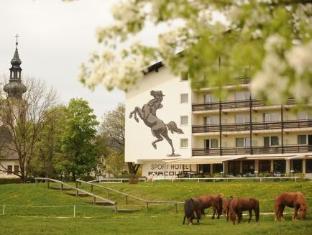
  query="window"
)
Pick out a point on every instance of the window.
point(271, 141)
point(211, 143)
point(243, 142)
point(271, 117)
point(16, 169)
point(184, 120)
point(184, 98)
point(274, 141)
point(303, 116)
point(242, 95)
point(211, 120)
point(242, 118)
point(302, 139)
point(9, 169)
point(208, 99)
point(183, 143)
point(214, 143)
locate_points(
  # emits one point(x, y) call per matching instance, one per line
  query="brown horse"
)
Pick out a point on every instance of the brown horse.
point(238, 205)
point(294, 200)
point(214, 201)
point(191, 210)
point(226, 207)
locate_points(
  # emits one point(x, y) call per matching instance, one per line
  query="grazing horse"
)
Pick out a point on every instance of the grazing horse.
point(226, 207)
point(238, 205)
point(191, 210)
point(294, 200)
point(148, 115)
point(214, 201)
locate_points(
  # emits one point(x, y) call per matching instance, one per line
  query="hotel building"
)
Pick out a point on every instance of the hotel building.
point(237, 136)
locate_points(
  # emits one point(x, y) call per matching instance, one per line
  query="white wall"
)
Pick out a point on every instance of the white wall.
point(139, 138)
point(165, 170)
point(3, 167)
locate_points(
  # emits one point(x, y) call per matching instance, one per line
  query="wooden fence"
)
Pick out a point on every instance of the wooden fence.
point(64, 186)
point(127, 196)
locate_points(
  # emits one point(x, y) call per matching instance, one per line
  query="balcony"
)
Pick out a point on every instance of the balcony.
point(233, 104)
point(254, 125)
point(253, 150)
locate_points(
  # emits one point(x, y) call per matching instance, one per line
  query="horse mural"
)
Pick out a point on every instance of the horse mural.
point(148, 115)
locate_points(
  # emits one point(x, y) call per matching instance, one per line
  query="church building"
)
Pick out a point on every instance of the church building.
point(14, 89)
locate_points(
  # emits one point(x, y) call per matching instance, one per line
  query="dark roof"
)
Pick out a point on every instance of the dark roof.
point(5, 141)
point(154, 67)
point(5, 135)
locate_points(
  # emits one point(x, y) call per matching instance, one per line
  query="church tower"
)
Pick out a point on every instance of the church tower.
point(15, 88)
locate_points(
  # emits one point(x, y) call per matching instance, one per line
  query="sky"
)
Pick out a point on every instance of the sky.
point(54, 39)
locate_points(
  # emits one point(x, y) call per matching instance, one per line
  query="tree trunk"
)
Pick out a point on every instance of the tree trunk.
point(133, 170)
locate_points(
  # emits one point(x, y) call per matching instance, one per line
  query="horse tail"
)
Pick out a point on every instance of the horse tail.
point(188, 209)
point(172, 126)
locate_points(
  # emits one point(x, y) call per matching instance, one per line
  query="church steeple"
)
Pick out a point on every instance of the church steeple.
point(15, 88)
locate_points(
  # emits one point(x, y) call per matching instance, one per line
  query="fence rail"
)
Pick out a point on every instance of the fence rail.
point(78, 190)
point(117, 180)
point(127, 196)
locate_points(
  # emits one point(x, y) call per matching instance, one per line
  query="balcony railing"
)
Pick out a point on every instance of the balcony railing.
point(253, 150)
point(255, 126)
point(233, 104)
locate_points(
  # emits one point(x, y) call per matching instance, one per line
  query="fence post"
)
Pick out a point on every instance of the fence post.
point(146, 206)
point(3, 209)
point(74, 211)
point(62, 187)
point(176, 207)
point(126, 200)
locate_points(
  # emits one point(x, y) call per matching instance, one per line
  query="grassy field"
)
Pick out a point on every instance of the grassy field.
point(22, 216)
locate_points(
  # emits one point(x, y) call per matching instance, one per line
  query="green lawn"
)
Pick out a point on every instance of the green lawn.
point(157, 220)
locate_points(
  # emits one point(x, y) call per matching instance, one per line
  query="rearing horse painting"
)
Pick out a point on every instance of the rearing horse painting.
point(148, 115)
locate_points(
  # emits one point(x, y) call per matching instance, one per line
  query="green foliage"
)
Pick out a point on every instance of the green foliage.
point(48, 154)
point(112, 135)
point(78, 139)
point(115, 163)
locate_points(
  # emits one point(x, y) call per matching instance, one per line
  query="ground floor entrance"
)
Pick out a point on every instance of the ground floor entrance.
point(268, 167)
point(235, 168)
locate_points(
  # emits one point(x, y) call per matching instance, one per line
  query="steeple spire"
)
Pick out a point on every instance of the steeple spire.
point(15, 88)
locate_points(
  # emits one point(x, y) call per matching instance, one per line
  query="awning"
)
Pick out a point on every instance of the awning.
point(203, 160)
point(301, 156)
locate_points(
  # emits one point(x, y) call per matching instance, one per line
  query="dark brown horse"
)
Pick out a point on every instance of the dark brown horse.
point(238, 205)
point(214, 201)
point(226, 207)
point(294, 200)
point(191, 210)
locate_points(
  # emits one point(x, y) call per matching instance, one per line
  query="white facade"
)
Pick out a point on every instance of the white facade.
point(7, 167)
point(238, 136)
point(139, 137)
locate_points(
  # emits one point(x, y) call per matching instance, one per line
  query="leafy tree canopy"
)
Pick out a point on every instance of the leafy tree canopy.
point(267, 40)
point(78, 142)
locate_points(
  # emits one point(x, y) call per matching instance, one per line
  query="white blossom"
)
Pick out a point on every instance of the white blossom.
point(300, 58)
